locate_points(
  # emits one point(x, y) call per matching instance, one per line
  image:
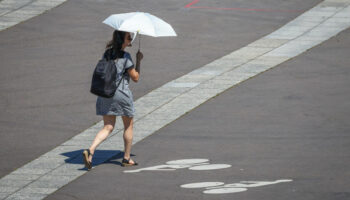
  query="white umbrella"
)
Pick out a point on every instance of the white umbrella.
point(140, 22)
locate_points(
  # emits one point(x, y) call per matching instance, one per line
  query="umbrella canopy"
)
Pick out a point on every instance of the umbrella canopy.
point(141, 23)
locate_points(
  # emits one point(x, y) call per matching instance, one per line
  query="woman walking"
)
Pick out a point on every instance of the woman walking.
point(121, 104)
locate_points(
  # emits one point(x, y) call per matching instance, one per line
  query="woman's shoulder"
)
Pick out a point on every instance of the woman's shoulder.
point(127, 55)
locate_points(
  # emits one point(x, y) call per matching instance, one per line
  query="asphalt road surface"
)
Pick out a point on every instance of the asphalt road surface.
point(287, 123)
point(48, 60)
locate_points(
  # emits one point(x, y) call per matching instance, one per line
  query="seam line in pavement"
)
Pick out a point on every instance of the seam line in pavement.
point(63, 164)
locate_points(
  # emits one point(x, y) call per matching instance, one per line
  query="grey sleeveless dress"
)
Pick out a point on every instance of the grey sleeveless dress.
point(121, 104)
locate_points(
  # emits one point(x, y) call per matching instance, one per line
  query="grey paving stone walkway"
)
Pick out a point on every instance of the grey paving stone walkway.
point(13, 12)
point(163, 105)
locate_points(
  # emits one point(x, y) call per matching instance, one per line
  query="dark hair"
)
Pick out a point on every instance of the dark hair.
point(113, 47)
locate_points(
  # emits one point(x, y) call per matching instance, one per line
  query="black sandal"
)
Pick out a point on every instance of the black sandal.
point(86, 154)
point(126, 163)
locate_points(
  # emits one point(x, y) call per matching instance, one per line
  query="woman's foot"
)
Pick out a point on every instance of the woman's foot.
point(87, 158)
point(90, 156)
point(128, 162)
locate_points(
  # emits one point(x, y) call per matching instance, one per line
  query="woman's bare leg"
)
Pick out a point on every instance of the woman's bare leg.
point(109, 122)
point(128, 135)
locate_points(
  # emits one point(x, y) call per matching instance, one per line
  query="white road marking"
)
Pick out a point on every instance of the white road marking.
point(186, 161)
point(210, 167)
point(169, 102)
point(202, 184)
point(191, 164)
point(249, 184)
point(220, 188)
point(224, 190)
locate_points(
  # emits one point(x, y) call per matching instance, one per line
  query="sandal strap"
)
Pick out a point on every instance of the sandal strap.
point(89, 153)
point(127, 161)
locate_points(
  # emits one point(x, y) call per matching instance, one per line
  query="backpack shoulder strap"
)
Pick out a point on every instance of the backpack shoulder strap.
point(122, 70)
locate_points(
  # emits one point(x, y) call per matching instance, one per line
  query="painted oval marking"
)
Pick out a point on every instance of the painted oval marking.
point(225, 190)
point(202, 184)
point(210, 167)
point(186, 161)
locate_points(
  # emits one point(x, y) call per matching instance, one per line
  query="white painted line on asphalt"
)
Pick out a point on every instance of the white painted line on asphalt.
point(169, 102)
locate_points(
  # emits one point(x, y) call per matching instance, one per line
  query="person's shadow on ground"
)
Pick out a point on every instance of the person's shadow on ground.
point(100, 157)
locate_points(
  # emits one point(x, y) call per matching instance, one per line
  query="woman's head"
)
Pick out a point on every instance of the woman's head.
point(115, 47)
point(120, 40)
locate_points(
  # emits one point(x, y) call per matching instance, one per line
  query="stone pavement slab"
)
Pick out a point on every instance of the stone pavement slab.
point(13, 12)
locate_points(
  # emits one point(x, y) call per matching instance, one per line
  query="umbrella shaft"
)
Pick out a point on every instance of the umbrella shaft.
point(139, 42)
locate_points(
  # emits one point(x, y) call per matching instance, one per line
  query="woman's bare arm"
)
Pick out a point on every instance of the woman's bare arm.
point(134, 74)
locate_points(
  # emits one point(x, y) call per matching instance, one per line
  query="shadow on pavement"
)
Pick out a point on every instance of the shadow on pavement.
point(100, 156)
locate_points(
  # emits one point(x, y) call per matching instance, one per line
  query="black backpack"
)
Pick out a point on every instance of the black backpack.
point(103, 82)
